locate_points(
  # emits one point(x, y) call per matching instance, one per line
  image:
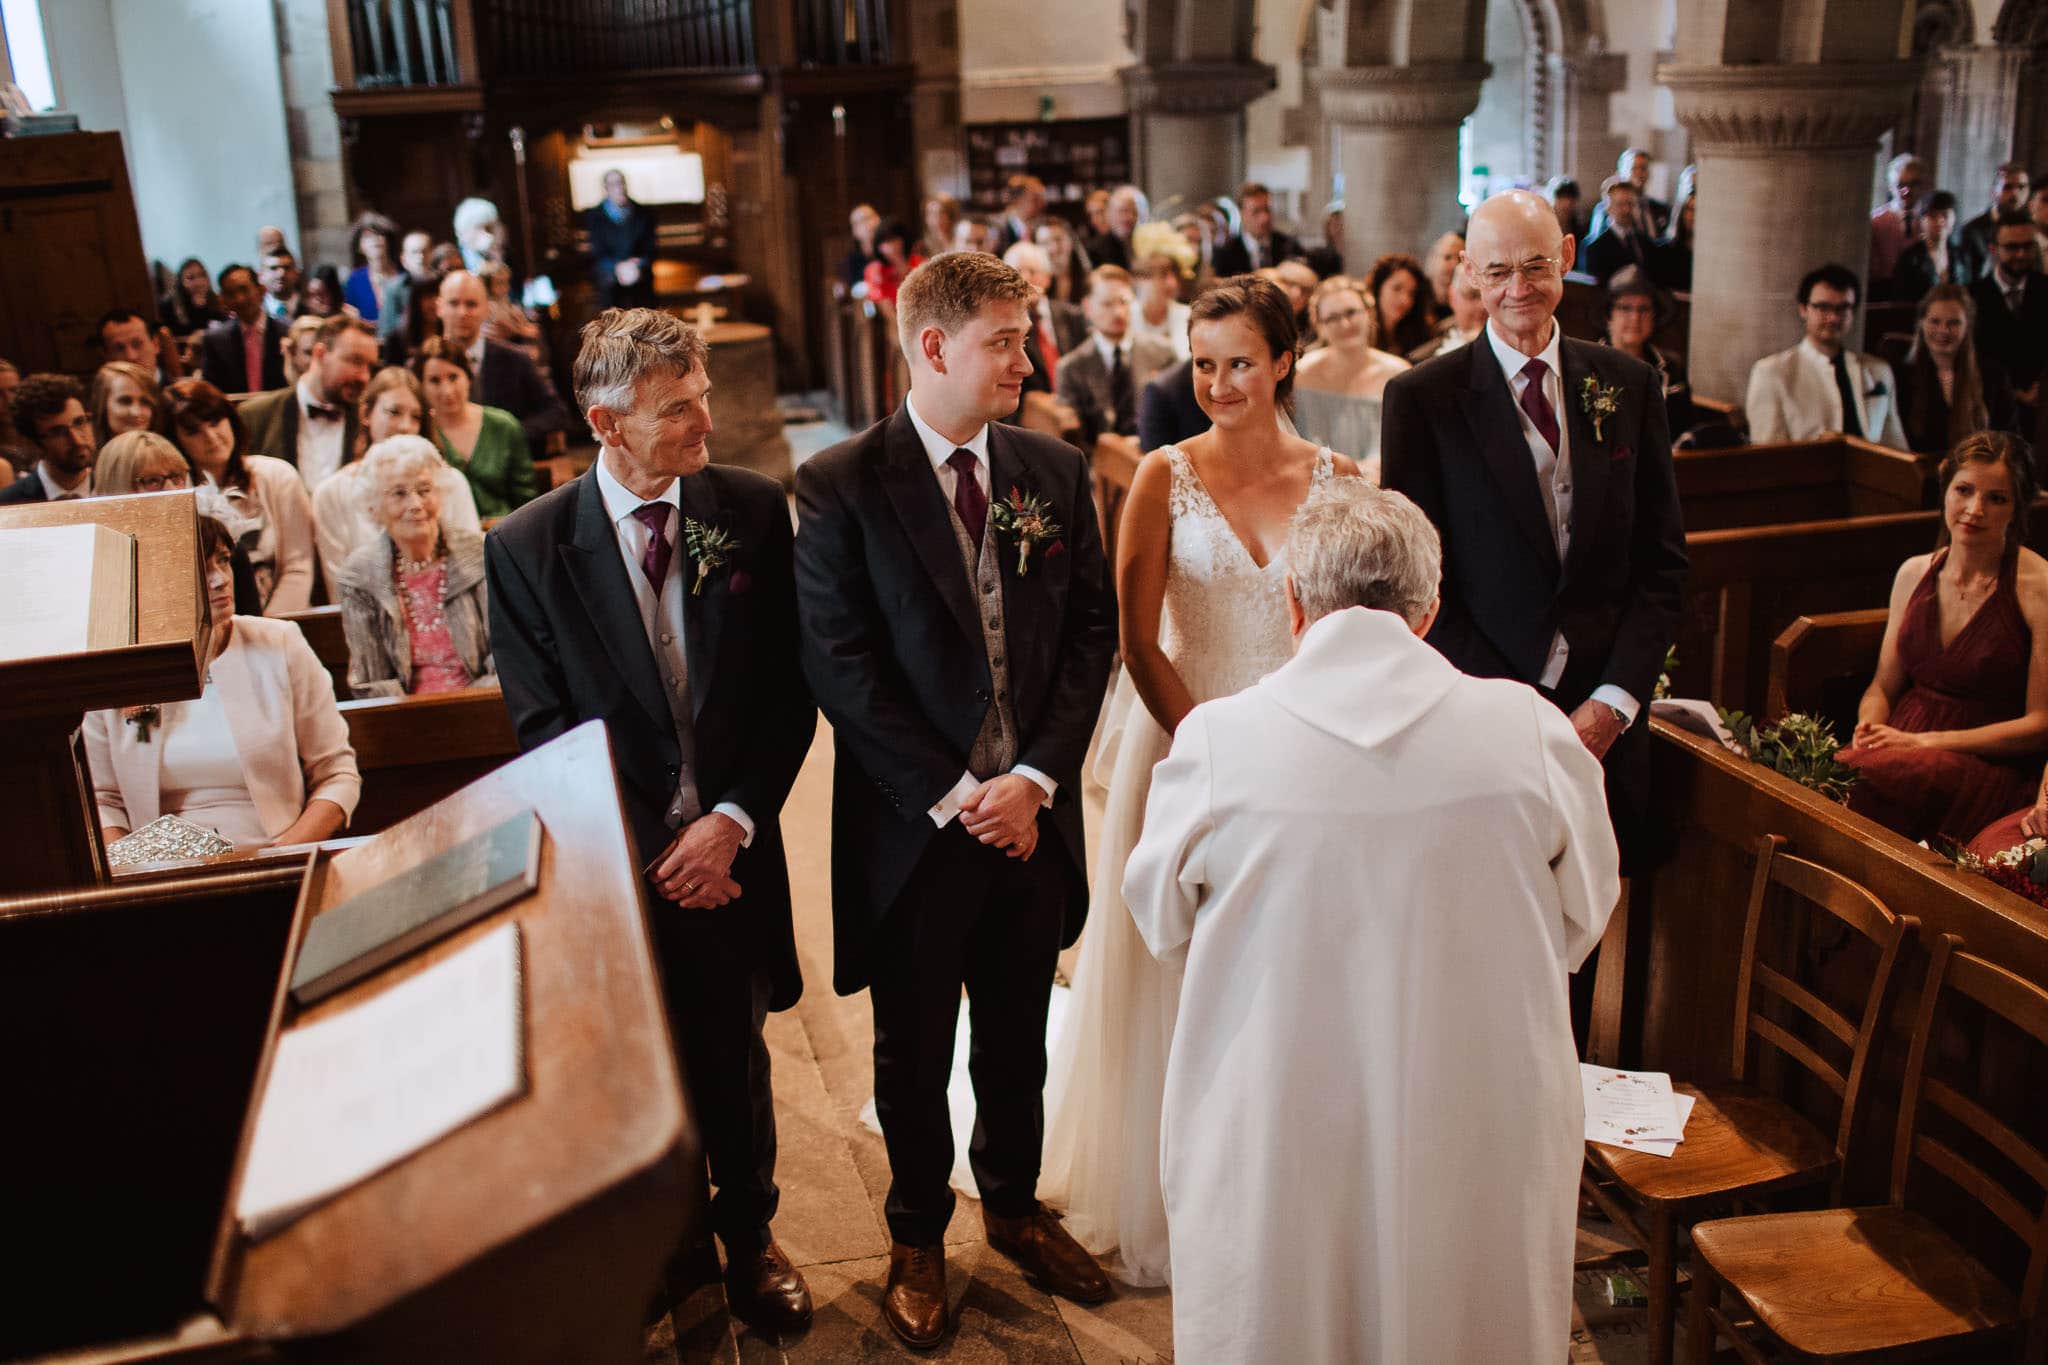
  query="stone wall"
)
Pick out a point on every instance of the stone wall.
point(313, 133)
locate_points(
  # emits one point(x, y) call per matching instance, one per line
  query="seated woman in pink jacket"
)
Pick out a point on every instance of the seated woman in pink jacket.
point(262, 757)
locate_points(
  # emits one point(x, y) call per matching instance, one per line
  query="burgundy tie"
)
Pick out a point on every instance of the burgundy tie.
point(968, 499)
point(1536, 405)
point(654, 561)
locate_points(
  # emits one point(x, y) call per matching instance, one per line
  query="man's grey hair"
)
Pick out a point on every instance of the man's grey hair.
point(389, 460)
point(473, 213)
point(622, 346)
point(1354, 545)
point(1899, 163)
point(1027, 256)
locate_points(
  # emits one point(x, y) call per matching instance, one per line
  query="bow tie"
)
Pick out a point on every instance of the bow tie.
point(324, 412)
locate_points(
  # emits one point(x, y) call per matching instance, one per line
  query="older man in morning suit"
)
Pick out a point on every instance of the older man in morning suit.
point(1545, 464)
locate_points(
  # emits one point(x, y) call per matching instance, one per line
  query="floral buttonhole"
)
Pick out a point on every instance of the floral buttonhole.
point(1026, 520)
point(1599, 402)
point(713, 548)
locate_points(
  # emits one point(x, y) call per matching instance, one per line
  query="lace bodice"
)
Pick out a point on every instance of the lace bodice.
point(1224, 622)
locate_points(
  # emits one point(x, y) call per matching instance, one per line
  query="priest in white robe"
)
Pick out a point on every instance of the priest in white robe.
point(1378, 873)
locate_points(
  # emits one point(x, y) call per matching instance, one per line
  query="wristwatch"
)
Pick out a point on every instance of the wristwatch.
point(1620, 716)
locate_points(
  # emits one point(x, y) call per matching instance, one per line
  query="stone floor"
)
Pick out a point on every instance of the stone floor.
point(833, 1175)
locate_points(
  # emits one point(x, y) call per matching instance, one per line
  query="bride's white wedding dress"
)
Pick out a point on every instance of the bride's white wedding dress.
point(1223, 627)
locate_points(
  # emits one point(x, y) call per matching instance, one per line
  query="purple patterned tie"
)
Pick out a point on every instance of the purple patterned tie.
point(654, 561)
point(968, 499)
point(1536, 405)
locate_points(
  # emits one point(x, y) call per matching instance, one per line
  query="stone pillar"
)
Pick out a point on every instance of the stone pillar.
point(1969, 105)
point(1787, 151)
point(1585, 142)
point(1187, 127)
point(1397, 148)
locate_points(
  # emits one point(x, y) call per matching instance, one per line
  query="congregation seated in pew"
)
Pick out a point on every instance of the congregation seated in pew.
point(125, 397)
point(262, 757)
point(485, 444)
point(413, 599)
point(1947, 391)
point(391, 406)
point(1635, 310)
point(1342, 381)
point(269, 511)
point(1950, 734)
point(1819, 386)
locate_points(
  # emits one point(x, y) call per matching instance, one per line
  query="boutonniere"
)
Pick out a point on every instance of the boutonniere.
point(1598, 401)
point(1023, 517)
point(711, 546)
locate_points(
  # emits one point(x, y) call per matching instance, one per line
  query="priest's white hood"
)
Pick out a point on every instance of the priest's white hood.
point(1362, 676)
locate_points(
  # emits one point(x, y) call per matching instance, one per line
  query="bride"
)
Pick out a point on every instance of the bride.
point(1199, 574)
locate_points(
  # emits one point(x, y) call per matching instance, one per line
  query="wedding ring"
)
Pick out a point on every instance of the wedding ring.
point(689, 888)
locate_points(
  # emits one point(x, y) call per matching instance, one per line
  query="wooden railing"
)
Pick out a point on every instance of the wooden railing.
point(537, 39)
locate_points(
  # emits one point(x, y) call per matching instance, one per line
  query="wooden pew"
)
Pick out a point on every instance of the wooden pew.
point(1114, 465)
point(322, 628)
point(415, 750)
point(1687, 914)
point(1797, 481)
point(1820, 665)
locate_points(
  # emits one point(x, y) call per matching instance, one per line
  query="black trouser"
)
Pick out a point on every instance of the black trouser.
point(717, 996)
point(969, 916)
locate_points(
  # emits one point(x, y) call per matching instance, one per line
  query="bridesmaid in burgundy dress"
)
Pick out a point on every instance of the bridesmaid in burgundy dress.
point(1950, 735)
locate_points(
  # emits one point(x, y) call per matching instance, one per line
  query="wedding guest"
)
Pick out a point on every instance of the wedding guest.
point(505, 322)
point(862, 222)
point(1023, 207)
point(1126, 208)
point(485, 444)
point(2012, 310)
point(140, 462)
point(1441, 266)
point(391, 406)
point(941, 213)
point(418, 313)
point(1168, 410)
point(1467, 319)
point(312, 425)
point(1635, 309)
point(1946, 391)
point(125, 398)
point(2008, 195)
point(376, 246)
point(298, 349)
point(413, 599)
point(1933, 258)
point(1624, 241)
point(1339, 385)
point(1951, 732)
point(1401, 303)
point(893, 260)
point(1258, 243)
point(1372, 1086)
point(1298, 281)
point(323, 294)
point(502, 376)
point(1327, 259)
point(1820, 387)
point(191, 305)
point(266, 494)
point(125, 334)
point(49, 410)
point(1159, 313)
point(262, 757)
point(479, 233)
point(1100, 380)
point(394, 305)
point(1671, 256)
point(971, 233)
point(1200, 615)
point(1564, 195)
point(1895, 224)
point(1068, 263)
point(1634, 166)
point(278, 272)
point(1095, 212)
point(621, 232)
point(245, 353)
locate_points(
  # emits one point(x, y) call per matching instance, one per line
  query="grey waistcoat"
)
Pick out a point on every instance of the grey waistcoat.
point(995, 745)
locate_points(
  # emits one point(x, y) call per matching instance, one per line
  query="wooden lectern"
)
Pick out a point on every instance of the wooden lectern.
point(143, 1019)
point(54, 839)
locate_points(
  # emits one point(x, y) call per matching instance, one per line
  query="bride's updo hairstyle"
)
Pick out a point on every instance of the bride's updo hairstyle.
point(1266, 307)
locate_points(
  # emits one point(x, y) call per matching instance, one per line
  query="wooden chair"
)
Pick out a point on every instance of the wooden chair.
point(1740, 1142)
point(1891, 1283)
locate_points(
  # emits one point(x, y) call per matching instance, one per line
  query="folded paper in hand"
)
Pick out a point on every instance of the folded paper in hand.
point(369, 1086)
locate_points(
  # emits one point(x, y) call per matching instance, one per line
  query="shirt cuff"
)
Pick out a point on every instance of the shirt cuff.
point(738, 817)
point(949, 805)
point(1619, 700)
point(1050, 787)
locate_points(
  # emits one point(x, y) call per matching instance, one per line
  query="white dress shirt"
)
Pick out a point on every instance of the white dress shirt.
point(320, 449)
point(1554, 477)
point(620, 502)
point(939, 451)
point(54, 491)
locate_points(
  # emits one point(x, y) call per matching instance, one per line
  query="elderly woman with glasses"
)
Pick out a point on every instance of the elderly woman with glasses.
point(413, 600)
point(140, 462)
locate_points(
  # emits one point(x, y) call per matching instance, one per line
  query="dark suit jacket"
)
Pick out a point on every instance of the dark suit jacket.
point(610, 243)
point(221, 361)
point(1654, 213)
point(1451, 439)
point(2016, 342)
point(893, 650)
point(25, 488)
point(1167, 411)
point(1976, 237)
point(512, 382)
point(1607, 253)
point(570, 648)
point(1235, 258)
point(272, 420)
point(1108, 249)
point(1915, 274)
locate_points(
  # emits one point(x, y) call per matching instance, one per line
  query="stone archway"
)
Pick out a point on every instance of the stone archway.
point(1560, 75)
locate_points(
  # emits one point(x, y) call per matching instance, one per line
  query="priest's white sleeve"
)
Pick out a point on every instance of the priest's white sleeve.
point(1586, 861)
point(1169, 869)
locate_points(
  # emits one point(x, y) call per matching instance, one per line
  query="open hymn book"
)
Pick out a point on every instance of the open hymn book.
point(70, 590)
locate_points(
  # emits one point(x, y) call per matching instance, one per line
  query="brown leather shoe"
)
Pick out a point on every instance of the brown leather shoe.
point(767, 1293)
point(914, 1304)
point(1048, 1253)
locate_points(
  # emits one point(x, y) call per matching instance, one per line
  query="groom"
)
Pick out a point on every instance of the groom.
point(958, 626)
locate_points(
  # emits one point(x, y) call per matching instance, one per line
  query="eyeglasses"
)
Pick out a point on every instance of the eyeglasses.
point(1339, 319)
point(157, 483)
point(1835, 310)
point(77, 426)
point(1536, 270)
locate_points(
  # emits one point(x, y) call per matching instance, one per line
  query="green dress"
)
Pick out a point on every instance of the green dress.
point(500, 469)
